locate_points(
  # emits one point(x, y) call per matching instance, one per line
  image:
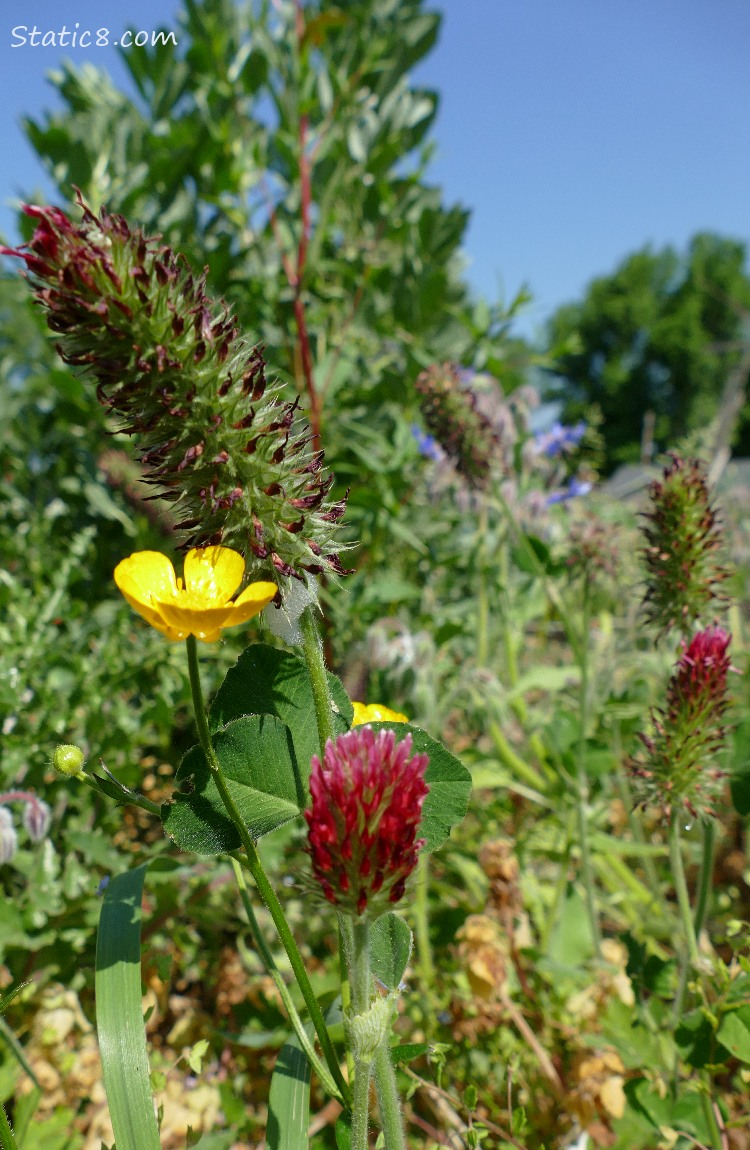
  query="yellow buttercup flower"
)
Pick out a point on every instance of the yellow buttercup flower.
point(203, 605)
point(376, 713)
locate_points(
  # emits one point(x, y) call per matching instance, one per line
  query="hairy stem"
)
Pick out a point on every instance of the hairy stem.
point(268, 961)
point(706, 873)
point(356, 934)
point(422, 921)
point(312, 649)
point(389, 1102)
point(583, 782)
point(265, 890)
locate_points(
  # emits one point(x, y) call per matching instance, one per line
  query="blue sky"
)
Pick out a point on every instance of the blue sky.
point(575, 130)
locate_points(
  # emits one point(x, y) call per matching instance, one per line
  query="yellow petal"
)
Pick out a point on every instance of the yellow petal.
point(143, 578)
point(205, 623)
point(252, 600)
point(145, 574)
point(213, 574)
point(376, 713)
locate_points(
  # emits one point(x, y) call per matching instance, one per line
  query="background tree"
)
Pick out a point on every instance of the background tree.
point(662, 334)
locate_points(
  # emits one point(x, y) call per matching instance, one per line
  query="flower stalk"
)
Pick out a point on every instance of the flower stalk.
point(268, 961)
point(582, 790)
point(265, 890)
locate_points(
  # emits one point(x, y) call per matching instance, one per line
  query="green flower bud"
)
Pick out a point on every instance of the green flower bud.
point(683, 535)
point(68, 759)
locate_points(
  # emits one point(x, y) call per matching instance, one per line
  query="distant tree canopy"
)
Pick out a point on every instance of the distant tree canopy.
point(665, 333)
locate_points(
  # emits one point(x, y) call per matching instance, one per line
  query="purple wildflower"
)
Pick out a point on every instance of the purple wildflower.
point(427, 445)
point(560, 439)
point(576, 488)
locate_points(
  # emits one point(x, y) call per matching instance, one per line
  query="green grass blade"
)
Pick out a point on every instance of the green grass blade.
point(289, 1099)
point(7, 1141)
point(119, 1014)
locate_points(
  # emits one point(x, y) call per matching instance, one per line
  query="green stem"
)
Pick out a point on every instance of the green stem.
point(422, 922)
point(583, 782)
point(683, 899)
point(518, 704)
point(483, 605)
point(357, 944)
point(560, 888)
point(7, 1140)
point(549, 588)
point(717, 1142)
point(268, 961)
point(312, 649)
point(389, 1102)
point(704, 879)
point(132, 798)
point(265, 890)
point(513, 761)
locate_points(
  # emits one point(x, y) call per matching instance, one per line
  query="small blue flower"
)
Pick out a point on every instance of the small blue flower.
point(103, 884)
point(575, 488)
point(560, 439)
point(426, 445)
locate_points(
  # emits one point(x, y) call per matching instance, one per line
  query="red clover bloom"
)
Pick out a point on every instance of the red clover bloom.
point(689, 731)
point(367, 798)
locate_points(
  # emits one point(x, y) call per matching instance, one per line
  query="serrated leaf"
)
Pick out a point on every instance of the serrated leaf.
point(390, 949)
point(267, 681)
point(449, 781)
point(257, 759)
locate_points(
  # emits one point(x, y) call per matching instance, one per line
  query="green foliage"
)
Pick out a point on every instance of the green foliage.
point(663, 334)
point(449, 782)
point(298, 175)
point(297, 169)
point(257, 759)
point(266, 681)
point(289, 1100)
point(122, 1036)
point(390, 949)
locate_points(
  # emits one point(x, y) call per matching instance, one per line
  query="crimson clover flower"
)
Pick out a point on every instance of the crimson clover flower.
point(215, 438)
point(679, 769)
point(203, 606)
point(367, 797)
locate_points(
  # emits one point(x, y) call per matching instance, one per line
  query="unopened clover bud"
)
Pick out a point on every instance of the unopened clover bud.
point(68, 759)
point(8, 836)
point(36, 819)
